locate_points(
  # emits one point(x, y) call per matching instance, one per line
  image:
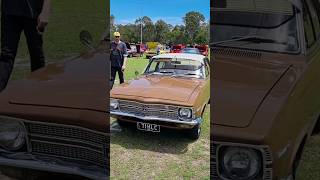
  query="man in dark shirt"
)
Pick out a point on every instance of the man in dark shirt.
point(118, 58)
point(30, 16)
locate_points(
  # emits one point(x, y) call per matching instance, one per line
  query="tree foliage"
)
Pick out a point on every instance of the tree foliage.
point(195, 30)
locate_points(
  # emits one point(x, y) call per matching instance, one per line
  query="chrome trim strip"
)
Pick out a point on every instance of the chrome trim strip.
point(146, 118)
point(56, 124)
point(58, 167)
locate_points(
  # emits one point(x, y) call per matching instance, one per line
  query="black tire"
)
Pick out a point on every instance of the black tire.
point(195, 132)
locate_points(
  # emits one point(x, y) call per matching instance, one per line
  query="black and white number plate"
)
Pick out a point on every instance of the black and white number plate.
point(148, 127)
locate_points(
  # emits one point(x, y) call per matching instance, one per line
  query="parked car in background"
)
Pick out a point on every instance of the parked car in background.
point(191, 50)
point(177, 48)
point(153, 52)
point(54, 120)
point(172, 93)
point(131, 50)
point(141, 48)
point(204, 49)
point(266, 87)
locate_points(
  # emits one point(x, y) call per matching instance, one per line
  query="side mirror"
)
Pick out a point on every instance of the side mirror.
point(86, 39)
point(136, 73)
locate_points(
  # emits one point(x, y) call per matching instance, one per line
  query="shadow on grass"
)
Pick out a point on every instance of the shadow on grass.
point(167, 141)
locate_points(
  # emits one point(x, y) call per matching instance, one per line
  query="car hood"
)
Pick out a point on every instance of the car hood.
point(79, 83)
point(158, 87)
point(240, 87)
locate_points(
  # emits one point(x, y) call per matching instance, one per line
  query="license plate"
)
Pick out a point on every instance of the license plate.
point(148, 127)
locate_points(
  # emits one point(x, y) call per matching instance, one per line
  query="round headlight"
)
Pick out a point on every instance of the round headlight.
point(12, 134)
point(240, 163)
point(114, 104)
point(185, 113)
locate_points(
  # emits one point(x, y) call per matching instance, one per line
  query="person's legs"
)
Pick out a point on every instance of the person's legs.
point(121, 76)
point(35, 43)
point(112, 76)
point(11, 28)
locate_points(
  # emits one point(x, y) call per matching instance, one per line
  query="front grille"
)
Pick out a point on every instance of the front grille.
point(68, 142)
point(150, 110)
point(214, 151)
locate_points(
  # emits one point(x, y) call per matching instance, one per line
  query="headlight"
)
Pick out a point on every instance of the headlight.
point(114, 104)
point(12, 134)
point(239, 163)
point(185, 113)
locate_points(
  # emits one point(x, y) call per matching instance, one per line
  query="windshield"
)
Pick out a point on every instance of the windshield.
point(268, 25)
point(175, 67)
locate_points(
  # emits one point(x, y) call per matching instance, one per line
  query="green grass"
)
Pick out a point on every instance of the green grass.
point(309, 167)
point(168, 155)
point(61, 39)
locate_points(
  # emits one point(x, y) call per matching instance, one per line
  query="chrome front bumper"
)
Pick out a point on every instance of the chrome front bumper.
point(55, 166)
point(150, 118)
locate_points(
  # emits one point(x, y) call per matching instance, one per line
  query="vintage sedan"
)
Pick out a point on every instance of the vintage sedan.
point(172, 93)
point(266, 87)
point(55, 120)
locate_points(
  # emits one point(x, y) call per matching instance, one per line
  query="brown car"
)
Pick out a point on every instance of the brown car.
point(266, 86)
point(172, 93)
point(55, 119)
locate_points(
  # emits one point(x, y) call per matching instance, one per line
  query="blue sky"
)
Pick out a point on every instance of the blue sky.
point(171, 11)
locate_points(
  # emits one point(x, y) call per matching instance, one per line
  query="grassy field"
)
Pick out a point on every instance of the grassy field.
point(61, 39)
point(310, 164)
point(168, 155)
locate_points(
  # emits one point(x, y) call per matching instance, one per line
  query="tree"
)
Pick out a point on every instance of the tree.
point(148, 28)
point(193, 20)
point(161, 29)
point(112, 24)
point(129, 33)
point(203, 36)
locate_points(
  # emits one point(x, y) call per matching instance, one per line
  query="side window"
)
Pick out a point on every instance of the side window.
point(154, 67)
point(314, 17)
point(308, 27)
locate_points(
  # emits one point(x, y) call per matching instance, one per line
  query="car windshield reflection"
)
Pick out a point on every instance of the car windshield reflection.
point(176, 67)
point(277, 33)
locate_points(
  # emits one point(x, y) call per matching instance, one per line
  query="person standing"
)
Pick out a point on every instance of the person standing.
point(31, 17)
point(118, 57)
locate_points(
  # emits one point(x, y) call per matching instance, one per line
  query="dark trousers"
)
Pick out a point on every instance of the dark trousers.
point(11, 29)
point(114, 70)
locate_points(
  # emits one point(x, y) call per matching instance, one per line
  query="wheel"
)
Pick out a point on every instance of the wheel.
point(195, 132)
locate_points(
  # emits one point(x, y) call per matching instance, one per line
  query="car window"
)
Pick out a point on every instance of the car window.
point(308, 27)
point(277, 33)
point(314, 18)
point(176, 66)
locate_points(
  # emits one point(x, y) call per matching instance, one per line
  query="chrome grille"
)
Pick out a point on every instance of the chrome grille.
point(68, 142)
point(266, 152)
point(153, 110)
point(68, 132)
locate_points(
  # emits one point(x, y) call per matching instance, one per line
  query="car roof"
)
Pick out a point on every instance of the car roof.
point(196, 57)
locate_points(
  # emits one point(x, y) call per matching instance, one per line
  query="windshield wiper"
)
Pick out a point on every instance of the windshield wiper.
point(254, 39)
point(186, 74)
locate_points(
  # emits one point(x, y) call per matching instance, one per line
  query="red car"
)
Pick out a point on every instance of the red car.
point(177, 48)
point(203, 49)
